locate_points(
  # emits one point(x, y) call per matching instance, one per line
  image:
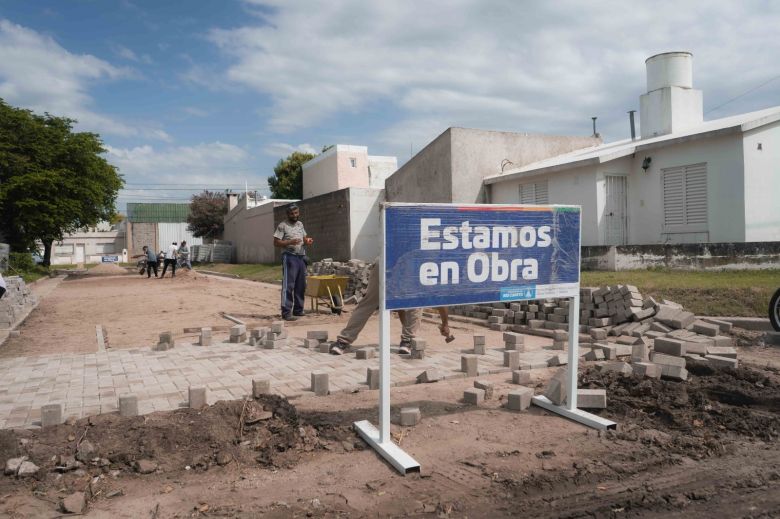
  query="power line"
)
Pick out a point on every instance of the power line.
point(743, 94)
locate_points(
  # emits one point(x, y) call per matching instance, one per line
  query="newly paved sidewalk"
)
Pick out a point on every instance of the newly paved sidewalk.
point(89, 384)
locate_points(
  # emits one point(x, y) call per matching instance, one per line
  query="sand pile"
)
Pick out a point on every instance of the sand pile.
point(107, 269)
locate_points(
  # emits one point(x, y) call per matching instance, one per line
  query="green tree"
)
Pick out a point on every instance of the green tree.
point(53, 181)
point(207, 215)
point(287, 181)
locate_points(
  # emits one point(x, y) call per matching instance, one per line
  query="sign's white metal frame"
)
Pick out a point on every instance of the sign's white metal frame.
point(380, 439)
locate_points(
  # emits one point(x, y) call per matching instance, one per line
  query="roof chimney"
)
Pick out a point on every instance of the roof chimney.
point(671, 104)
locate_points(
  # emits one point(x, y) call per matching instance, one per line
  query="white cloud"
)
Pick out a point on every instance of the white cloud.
point(195, 111)
point(150, 173)
point(129, 54)
point(539, 67)
point(37, 73)
point(281, 149)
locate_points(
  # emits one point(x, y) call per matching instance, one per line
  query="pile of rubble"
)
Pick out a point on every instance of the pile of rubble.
point(16, 302)
point(357, 271)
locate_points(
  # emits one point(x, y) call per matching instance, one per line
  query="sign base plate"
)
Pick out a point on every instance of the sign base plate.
point(399, 459)
point(591, 420)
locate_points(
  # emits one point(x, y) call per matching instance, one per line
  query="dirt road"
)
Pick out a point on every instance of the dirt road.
point(704, 448)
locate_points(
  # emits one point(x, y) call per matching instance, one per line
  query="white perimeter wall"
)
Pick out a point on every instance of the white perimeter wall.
point(365, 238)
point(762, 183)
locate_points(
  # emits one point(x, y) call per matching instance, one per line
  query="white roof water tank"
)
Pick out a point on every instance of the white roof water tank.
point(669, 69)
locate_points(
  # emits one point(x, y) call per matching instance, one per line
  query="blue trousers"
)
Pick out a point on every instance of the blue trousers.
point(293, 284)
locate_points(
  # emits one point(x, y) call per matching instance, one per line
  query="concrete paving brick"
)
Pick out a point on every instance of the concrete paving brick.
point(410, 416)
point(474, 396)
point(319, 383)
point(668, 360)
point(722, 351)
point(705, 328)
point(519, 399)
point(619, 367)
point(646, 369)
point(592, 398)
point(485, 386)
point(673, 372)
point(724, 326)
point(722, 362)
point(469, 365)
point(198, 398)
point(51, 414)
point(128, 405)
point(669, 346)
point(512, 359)
point(521, 377)
point(556, 387)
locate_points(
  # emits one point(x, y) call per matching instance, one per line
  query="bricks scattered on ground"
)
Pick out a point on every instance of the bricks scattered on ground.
point(521, 377)
point(468, 365)
point(556, 388)
point(198, 398)
point(372, 378)
point(128, 405)
point(319, 383)
point(357, 271)
point(485, 386)
point(410, 416)
point(474, 396)
point(429, 375)
point(365, 353)
point(205, 337)
point(51, 415)
point(592, 398)
point(519, 399)
point(260, 387)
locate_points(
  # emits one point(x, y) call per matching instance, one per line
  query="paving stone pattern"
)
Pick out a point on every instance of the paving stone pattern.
point(90, 384)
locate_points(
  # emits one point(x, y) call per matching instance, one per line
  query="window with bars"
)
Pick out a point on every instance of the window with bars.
point(685, 198)
point(534, 193)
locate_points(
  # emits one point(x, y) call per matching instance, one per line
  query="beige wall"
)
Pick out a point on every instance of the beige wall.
point(251, 231)
point(452, 166)
point(333, 170)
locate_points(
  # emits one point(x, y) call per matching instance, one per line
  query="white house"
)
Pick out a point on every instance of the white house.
point(684, 180)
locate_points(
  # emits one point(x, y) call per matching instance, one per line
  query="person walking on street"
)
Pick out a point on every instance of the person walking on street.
point(3, 288)
point(184, 255)
point(170, 259)
point(290, 236)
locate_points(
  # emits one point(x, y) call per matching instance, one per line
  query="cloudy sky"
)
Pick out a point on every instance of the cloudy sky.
point(206, 94)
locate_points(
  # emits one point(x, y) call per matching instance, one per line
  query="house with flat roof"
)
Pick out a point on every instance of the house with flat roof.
point(683, 180)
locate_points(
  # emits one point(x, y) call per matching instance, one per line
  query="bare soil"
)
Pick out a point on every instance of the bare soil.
point(705, 448)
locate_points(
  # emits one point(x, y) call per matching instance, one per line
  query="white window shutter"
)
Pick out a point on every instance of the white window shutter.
point(534, 193)
point(685, 198)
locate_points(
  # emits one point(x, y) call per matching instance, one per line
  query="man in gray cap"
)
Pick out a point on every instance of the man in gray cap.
point(291, 237)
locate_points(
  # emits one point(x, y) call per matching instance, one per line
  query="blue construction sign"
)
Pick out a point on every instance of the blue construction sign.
point(445, 254)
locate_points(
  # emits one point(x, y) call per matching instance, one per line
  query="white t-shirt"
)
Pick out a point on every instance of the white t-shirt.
point(171, 252)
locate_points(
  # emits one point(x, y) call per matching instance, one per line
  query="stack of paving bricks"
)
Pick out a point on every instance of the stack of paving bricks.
point(264, 337)
point(15, 302)
point(356, 270)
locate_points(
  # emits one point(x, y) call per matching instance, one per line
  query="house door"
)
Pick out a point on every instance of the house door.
point(615, 211)
point(80, 254)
